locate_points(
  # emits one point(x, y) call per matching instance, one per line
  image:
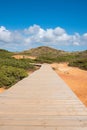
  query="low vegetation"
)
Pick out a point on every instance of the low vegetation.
point(10, 75)
point(80, 61)
point(12, 70)
point(58, 59)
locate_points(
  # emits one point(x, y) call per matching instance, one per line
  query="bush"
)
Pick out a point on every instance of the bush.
point(81, 63)
point(60, 58)
point(11, 69)
point(22, 63)
point(10, 75)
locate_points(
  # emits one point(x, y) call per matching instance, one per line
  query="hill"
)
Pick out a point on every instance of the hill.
point(45, 54)
point(43, 50)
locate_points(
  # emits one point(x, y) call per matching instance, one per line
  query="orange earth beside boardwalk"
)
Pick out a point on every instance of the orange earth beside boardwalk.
point(2, 90)
point(75, 78)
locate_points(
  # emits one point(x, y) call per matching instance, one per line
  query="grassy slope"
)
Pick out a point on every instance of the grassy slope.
point(43, 50)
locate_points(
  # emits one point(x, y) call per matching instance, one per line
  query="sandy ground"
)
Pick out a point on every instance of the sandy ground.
point(2, 90)
point(75, 78)
point(23, 56)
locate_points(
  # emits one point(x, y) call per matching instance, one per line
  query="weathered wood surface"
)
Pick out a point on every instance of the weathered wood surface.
point(42, 101)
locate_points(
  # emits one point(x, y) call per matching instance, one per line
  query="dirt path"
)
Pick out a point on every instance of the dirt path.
point(75, 78)
point(42, 101)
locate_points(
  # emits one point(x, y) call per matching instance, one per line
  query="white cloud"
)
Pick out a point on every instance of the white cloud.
point(48, 36)
point(5, 35)
point(33, 30)
point(76, 43)
point(85, 36)
point(59, 31)
point(35, 35)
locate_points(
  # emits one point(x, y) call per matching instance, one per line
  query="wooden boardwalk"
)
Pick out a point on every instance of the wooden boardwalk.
point(42, 101)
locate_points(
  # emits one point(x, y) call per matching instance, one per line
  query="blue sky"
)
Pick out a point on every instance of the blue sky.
point(63, 20)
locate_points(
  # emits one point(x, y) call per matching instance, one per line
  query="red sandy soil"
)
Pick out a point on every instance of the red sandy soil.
point(75, 78)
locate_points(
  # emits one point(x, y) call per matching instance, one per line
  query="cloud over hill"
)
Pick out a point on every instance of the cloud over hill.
point(34, 36)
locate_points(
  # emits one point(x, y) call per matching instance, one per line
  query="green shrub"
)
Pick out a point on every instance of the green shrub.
point(10, 75)
point(11, 69)
point(60, 58)
point(25, 64)
point(81, 63)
